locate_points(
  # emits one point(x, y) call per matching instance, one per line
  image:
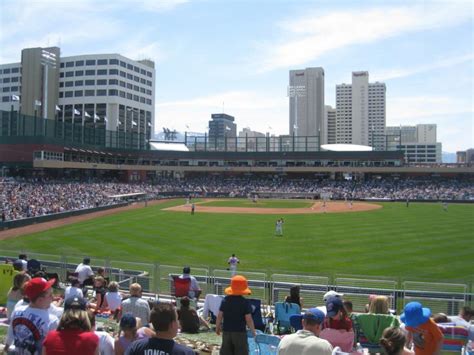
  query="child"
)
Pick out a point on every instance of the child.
point(424, 332)
point(73, 290)
point(336, 316)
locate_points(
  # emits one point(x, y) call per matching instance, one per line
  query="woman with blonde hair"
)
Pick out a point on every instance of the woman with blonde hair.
point(393, 342)
point(16, 292)
point(74, 334)
point(379, 305)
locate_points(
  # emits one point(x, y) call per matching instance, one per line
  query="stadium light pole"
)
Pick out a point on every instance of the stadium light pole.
point(296, 91)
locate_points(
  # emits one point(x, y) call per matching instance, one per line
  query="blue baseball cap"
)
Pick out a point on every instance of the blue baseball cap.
point(314, 314)
point(333, 306)
point(415, 314)
point(128, 321)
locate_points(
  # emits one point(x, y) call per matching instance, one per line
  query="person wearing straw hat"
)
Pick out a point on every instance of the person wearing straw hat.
point(424, 332)
point(233, 317)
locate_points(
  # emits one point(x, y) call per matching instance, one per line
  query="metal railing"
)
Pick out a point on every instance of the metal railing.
point(157, 279)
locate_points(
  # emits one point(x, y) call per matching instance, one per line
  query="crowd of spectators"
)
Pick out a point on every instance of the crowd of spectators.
point(23, 198)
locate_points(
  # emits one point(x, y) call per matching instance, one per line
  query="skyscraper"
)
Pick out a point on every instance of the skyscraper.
point(306, 93)
point(360, 112)
point(330, 125)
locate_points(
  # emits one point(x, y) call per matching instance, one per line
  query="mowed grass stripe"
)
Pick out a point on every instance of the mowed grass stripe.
point(420, 242)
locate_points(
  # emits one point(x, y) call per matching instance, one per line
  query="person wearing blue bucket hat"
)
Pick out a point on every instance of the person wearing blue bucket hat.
point(424, 332)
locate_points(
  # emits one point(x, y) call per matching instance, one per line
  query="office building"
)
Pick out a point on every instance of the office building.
point(360, 112)
point(95, 91)
point(417, 142)
point(306, 94)
point(221, 128)
point(330, 125)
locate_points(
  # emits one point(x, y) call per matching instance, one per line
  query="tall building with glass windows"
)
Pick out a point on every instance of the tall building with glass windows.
point(102, 92)
point(361, 112)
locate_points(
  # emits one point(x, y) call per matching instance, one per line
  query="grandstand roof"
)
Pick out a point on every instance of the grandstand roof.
point(346, 147)
point(181, 147)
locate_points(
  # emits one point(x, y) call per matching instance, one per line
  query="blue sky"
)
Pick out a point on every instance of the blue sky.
point(237, 54)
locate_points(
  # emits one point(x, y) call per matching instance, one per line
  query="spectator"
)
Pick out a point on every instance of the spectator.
point(379, 305)
point(29, 339)
point(188, 318)
point(24, 261)
point(336, 316)
point(306, 340)
point(113, 297)
point(165, 322)
point(100, 291)
point(73, 290)
point(464, 319)
point(136, 305)
point(393, 342)
point(422, 330)
point(16, 293)
point(84, 271)
point(106, 341)
point(194, 289)
point(128, 334)
point(74, 334)
point(236, 311)
point(294, 296)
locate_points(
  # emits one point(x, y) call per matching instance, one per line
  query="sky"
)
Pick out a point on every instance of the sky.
point(215, 56)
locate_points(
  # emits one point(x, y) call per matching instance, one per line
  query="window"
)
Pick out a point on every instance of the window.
point(136, 69)
point(79, 72)
point(15, 70)
point(136, 88)
point(90, 82)
point(90, 72)
point(102, 72)
point(61, 75)
point(90, 62)
point(68, 94)
point(6, 99)
point(142, 71)
point(15, 79)
point(142, 90)
point(14, 88)
point(136, 98)
point(69, 64)
point(148, 82)
point(129, 86)
point(123, 64)
point(113, 82)
point(6, 80)
point(61, 95)
point(79, 63)
point(149, 74)
point(142, 81)
point(6, 89)
point(6, 71)
point(69, 84)
point(129, 96)
point(113, 61)
point(122, 83)
point(78, 93)
point(123, 74)
point(89, 93)
point(61, 65)
point(102, 62)
point(113, 92)
point(122, 94)
point(136, 78)
point(102, 82)
point(113, 71)
point(142, 100)
point(69, 74)
point(130, 76)
point(129, 67)
point(101, 92)
point(79, 83)
point(148, 101)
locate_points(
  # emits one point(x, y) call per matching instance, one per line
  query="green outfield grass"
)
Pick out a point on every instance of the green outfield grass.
point(260, 203)
point(421, 242)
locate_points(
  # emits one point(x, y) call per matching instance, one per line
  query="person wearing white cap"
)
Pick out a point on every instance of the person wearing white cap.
point(327, 296)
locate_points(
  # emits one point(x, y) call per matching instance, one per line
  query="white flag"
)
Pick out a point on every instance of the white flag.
point(149, 124)
point(37, 103)
point(86, 114)
point(295, 126)
point(96, 117)
point(228, 128)
point(105, 119)
point(134, 123)
point(15, 98)
point(77, 112)
point(119, 123)
point(58, 108)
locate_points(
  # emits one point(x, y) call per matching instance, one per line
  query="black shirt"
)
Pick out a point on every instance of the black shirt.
point(235, 308)
point(156, 346)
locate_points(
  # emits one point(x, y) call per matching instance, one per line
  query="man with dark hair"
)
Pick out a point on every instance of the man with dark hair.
point(31, 323)
point(306, 341)
point(84, 271)
point(194, 289)
point(165, 322)
point(24, 261)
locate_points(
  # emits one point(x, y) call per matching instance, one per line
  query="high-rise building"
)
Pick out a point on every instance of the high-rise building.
point(360, 112)
point(330, 125)
point(221, 128)
point(417, 142)
point(306, 94)
point(93, 91)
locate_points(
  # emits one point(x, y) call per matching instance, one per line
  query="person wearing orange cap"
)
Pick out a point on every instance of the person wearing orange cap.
point(235, 313)
point(30, 324)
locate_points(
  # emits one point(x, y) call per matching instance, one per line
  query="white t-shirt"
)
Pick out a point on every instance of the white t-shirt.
point(29, 327)
point(83, 272)
point(233, 261)
point(72, 292)
point(106, 343)
point(114, 300)
point(303, 342)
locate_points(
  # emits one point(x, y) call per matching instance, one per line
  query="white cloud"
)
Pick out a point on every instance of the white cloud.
point(387, 74)
point(307, 38)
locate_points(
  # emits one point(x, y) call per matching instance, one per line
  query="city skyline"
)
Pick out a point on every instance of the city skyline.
point(235, 57)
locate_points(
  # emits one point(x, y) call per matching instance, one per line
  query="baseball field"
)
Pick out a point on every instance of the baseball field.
point(420, 242)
